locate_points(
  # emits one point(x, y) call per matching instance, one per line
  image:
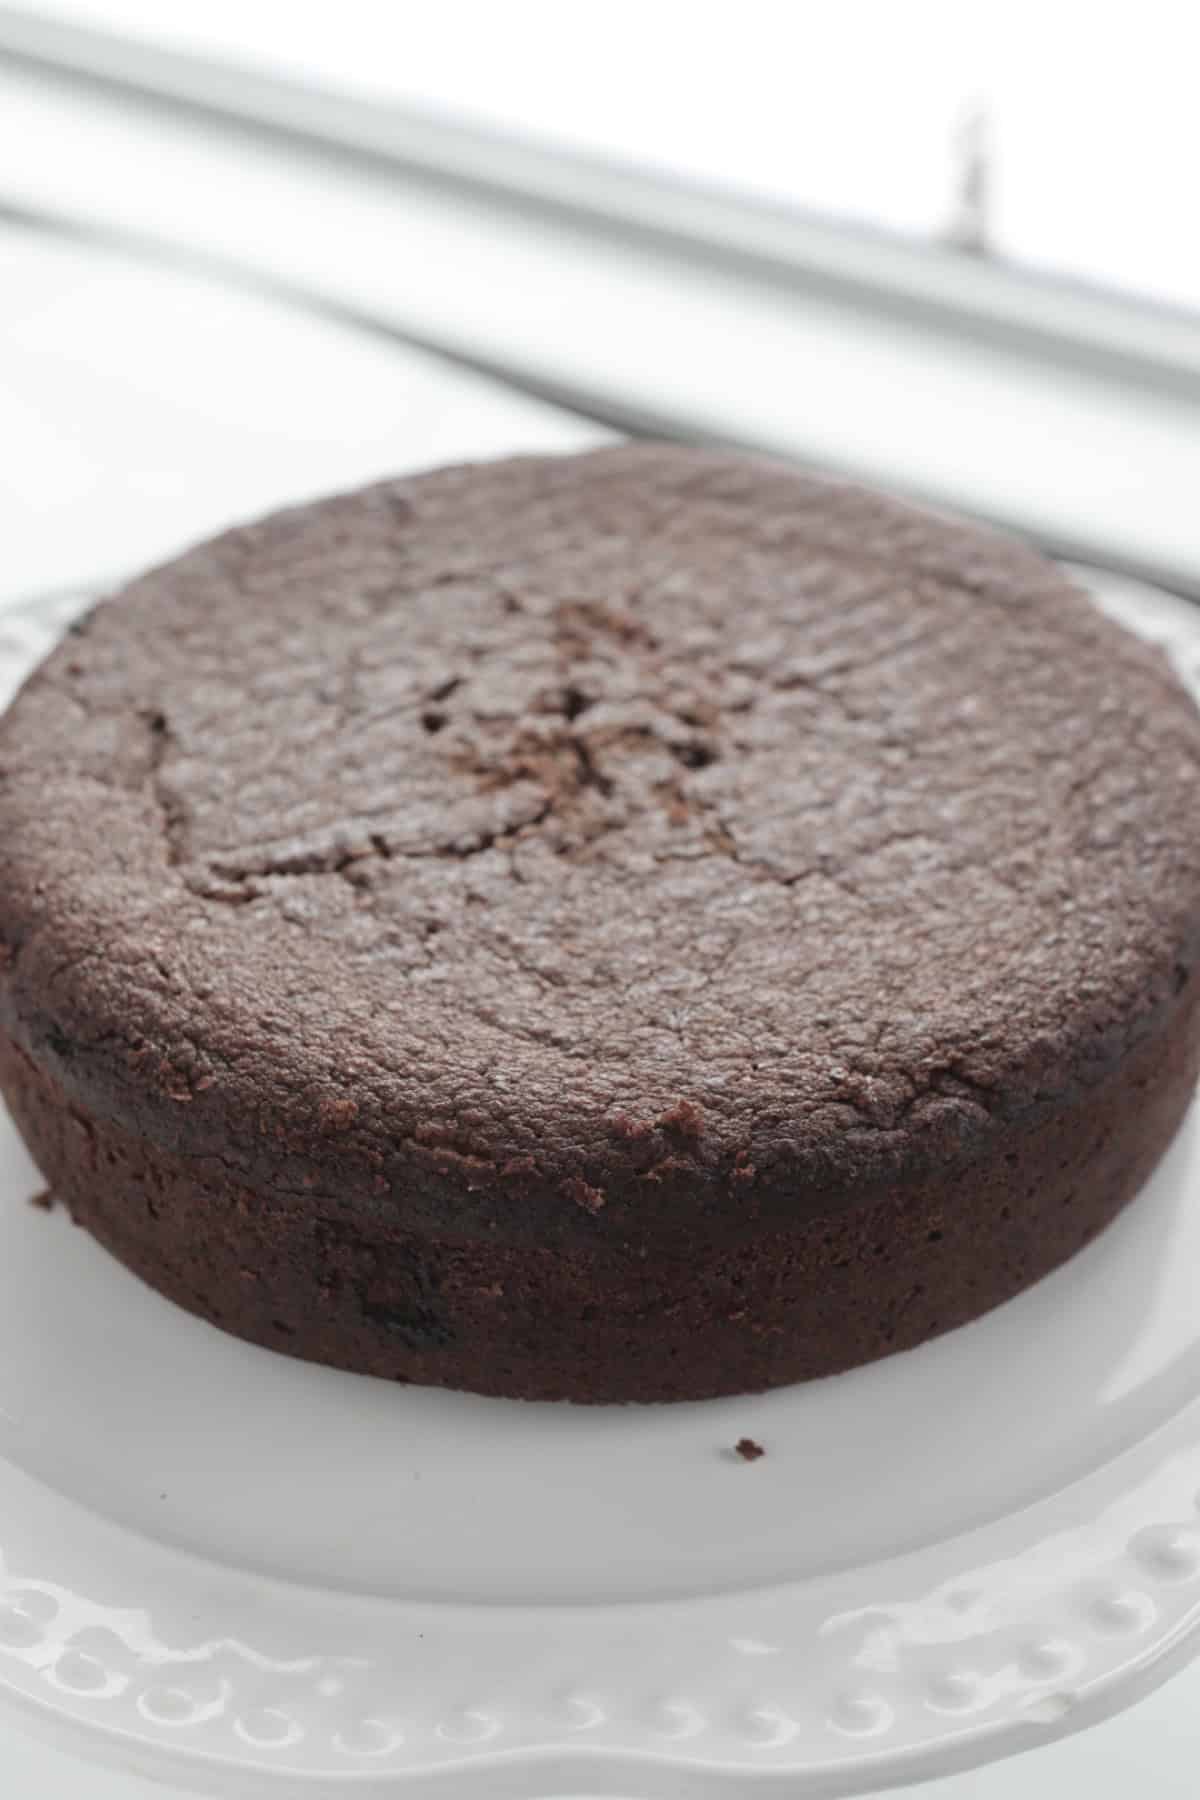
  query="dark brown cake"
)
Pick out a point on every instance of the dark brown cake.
point(628, 927)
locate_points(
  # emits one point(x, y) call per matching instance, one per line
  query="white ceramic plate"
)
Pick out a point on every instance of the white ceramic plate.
point(237, 1570)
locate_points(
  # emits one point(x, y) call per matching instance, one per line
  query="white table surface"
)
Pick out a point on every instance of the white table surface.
point(140, 411)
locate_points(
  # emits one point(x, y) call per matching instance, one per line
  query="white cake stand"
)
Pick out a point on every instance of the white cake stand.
point(241, 1573)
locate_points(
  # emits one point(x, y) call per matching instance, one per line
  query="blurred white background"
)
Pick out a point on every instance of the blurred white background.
point(847, 109)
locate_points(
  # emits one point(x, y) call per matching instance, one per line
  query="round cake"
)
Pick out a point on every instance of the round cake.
point(635, 926)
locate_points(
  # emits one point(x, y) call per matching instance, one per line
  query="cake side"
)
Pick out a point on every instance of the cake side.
point(614, 1323)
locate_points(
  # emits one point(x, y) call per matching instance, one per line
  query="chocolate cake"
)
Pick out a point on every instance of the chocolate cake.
point(634, 926)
